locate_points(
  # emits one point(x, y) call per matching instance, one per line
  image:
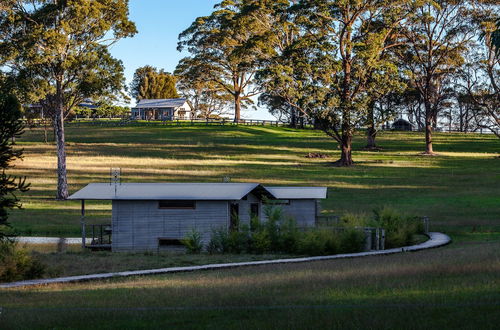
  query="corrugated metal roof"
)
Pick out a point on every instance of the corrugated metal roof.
point(298, 192)
point(166, 191)
point(160, 103)
point(192, 191)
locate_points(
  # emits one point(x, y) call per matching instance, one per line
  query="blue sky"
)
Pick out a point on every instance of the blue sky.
point(159, 23)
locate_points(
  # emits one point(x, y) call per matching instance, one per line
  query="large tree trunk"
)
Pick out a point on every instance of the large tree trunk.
point(293, 118)
point(428, 130)
point(371, 131)
point(371, 136)
point(237, 108)
point(62, 181)
point(346, 151)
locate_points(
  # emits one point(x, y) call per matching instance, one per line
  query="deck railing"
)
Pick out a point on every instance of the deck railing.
point(101, 236)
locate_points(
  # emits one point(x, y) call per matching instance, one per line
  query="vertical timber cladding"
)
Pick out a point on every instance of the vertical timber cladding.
point(303, 211)
point(137, 225)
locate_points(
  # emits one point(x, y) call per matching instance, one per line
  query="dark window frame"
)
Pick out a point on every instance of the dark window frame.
point(177, 205)
point(277, 202)
point(164, 241)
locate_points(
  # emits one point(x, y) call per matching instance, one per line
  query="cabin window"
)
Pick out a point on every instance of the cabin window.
point(254, 210)
point(173, 204)
point(278, 201)
point(234, 212)
point(169, 242)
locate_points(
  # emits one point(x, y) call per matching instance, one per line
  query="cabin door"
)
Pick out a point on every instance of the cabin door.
point(234, 211)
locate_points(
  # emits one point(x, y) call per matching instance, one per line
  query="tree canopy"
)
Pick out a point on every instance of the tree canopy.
point(151, 83)
point(226, 48)
point(59, 49)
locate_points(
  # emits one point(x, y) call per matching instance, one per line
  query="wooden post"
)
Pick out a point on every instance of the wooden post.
point(82, 222)
point(368, 239)
point(382, 239)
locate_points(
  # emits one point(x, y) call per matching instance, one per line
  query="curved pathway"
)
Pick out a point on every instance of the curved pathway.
point(435, 240)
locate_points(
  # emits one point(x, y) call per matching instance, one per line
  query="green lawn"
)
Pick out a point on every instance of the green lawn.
point(456, 286)
point(459, 189)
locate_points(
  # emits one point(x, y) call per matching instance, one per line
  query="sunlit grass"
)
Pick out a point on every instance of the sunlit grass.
point(459, 187)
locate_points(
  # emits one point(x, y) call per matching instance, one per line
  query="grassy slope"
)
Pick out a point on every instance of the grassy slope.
point(458, 189)
point(453, 287)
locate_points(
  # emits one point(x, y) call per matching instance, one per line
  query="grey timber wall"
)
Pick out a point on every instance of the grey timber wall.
point(302, 210)
point(244, 213)
point(137, 225)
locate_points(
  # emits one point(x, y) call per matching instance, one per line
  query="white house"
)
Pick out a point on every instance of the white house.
point(148, 216)
point(162, 109)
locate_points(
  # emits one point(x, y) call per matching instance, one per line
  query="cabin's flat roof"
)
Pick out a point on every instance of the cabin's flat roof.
point(191, 191)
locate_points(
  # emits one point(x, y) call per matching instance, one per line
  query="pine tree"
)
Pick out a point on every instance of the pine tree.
point(11, 127)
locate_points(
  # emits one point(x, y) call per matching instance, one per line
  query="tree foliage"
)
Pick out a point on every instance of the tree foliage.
point(226, 48)
point(59, 48)
point(480, 78)
point(151, 83)
point(11, 127)
point(436, 40)
point(334, 62)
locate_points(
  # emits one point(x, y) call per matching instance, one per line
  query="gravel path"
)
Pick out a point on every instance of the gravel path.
point(50, 240)
point(435, 240)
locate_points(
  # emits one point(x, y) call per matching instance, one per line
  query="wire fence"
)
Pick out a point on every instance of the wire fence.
point(127, 121)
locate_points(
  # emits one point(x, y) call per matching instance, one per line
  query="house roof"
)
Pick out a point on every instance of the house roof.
point(160, 103)
point(298, 192)
point(192, 191)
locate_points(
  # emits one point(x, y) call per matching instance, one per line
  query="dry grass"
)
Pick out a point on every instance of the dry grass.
point(453, 287)
point(454, 188)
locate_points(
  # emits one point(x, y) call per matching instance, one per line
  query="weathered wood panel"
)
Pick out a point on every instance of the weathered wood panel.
point(302, 210)
point(137, 225)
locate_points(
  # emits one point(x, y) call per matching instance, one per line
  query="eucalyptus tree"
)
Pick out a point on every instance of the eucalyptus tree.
point(437, 38)
point(151, 83)
point(227, 46)
point(61, 48)
point(207, 98)
point(331, 71)
point(481, 78)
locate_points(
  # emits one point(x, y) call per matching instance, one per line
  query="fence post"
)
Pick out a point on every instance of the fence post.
point(368, 239)
point(377, 239)
point(426, 224)
point(382, 239)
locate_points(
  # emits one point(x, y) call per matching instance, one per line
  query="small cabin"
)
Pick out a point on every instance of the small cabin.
point(162, 109)
point(151, 216)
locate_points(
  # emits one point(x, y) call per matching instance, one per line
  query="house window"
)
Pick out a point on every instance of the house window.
point(169, 242)
point(173, 204)
point(254, 210)
point(278, 202)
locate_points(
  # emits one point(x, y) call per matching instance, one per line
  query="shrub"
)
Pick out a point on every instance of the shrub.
point(289, 236)
point(219, 241)
point(351, 240)
point(17, 264)
point(313, 242)
point(193, 242)
point(399, 229)
point(239, 241)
